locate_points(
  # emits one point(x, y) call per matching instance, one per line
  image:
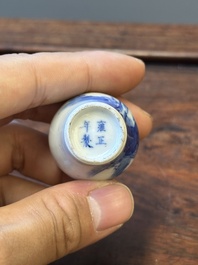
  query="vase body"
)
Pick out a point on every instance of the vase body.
point(93, 136)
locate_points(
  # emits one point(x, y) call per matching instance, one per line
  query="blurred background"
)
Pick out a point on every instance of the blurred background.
point(135, 11)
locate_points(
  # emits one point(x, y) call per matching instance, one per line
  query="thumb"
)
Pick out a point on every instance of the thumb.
point(61, 219)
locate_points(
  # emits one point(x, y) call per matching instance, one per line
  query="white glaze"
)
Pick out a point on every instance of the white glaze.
point(88, 137)
point(98, 126)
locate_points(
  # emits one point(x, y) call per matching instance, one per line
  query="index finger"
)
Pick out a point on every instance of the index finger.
point(29, 81)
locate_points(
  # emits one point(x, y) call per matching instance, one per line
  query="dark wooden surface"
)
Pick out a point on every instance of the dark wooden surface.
point(164, 176)
point(146, 41)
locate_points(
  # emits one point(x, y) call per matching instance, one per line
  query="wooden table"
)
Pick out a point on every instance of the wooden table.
point(164, 176)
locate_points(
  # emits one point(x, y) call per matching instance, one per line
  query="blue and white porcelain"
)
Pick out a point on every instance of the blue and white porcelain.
point(93, 136)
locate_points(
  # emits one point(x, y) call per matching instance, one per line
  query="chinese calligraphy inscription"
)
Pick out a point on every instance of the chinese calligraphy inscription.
point(94, 134)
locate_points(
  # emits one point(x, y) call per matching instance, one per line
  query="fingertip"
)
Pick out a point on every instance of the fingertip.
point(147, 126)
point(105, 204)
point(113, 72)
point(143, 119)
point(140, 64)
point(137, 71)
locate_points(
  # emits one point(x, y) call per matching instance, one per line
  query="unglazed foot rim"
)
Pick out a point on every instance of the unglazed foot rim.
point(95, 133)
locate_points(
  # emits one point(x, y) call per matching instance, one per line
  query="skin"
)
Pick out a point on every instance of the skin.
point(43, 221)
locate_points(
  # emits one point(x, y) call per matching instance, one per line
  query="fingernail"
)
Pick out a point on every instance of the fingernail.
point(139, 61)
point(147, 114)
point(110, 206)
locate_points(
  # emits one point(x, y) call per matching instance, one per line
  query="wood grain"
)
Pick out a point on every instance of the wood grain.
point(164, 176)
point(146, 41)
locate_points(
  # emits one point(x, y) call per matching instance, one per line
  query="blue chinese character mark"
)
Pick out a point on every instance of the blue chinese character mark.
point(86, 126)
point(101, 126)
point(101, 141)
point(86, 141)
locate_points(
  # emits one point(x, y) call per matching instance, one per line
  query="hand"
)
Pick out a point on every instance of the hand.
point(41, 222)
